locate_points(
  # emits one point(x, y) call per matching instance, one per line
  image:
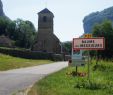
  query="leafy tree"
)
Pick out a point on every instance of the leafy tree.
point(25, 32)
point(10, 30)
point(105, 30)
point(22, 32)
point(30, 33)
point(4, 22)
point(67, 47)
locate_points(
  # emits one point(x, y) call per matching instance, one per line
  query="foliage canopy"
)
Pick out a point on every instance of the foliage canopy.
point(105, 30)
point(20, 31)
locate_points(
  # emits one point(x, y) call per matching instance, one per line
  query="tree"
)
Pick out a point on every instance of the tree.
point(105, 30)
point(25, 33)
point(67, 47)
point(22, 32)
point(4, 22)
point(10, 30)
point(30, 33)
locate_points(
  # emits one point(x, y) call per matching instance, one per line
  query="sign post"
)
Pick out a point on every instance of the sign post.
point(88, 43)
point(77, 59)
point(88, 66)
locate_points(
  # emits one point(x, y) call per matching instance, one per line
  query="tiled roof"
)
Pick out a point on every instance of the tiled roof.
point(45, 11)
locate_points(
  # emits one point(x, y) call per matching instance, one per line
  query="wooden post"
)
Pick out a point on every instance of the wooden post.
point(76, 70)
point(97, 57)
point(88, 66)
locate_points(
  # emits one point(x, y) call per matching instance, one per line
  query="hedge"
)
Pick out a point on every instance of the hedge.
point(31, 54)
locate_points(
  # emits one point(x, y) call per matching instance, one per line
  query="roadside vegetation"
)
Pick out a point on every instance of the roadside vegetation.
point(66, 82)
point(105, 29)
point(8, 62)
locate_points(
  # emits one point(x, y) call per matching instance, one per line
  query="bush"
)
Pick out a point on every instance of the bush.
point(103, 67)
point(94, 85)
point(23, 53)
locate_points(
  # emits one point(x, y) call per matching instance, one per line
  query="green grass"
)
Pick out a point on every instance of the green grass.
point(64, 83)
point(8, 62)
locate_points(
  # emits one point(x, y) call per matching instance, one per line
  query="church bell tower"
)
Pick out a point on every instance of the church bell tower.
point(45, 21)
point(46, 40)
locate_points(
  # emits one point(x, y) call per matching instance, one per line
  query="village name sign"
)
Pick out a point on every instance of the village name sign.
point(88, 43)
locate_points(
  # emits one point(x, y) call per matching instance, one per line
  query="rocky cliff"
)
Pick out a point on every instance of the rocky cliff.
point(1, 9)
point(97, 17)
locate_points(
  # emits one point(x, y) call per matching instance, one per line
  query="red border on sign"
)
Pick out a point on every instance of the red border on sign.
point(89, 48)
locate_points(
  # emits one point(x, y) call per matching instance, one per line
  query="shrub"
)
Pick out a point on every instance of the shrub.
point(94, 85)
point(23, 53)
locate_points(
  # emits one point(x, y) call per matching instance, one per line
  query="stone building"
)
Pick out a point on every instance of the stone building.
point(46, 40)
point(5, 41)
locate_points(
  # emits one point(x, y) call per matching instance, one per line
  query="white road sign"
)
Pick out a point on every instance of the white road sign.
point(89, 43)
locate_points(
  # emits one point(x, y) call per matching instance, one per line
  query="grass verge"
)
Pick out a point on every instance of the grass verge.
point(8, 62)
point(65, 83)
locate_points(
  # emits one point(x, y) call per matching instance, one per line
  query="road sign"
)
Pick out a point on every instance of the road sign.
point(89, 43)
point(77, 58)
point(76, 62)
point(77, 54)
point(87, 35)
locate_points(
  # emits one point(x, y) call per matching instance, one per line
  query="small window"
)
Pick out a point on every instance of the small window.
point(44, 19)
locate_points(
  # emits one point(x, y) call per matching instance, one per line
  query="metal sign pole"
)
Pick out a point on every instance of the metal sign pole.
point(76, 70)
point(88, 66)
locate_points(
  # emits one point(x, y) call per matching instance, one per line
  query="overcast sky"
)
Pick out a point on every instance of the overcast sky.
point(69, 14)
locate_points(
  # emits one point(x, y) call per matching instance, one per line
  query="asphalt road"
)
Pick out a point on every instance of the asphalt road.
point(14, 80)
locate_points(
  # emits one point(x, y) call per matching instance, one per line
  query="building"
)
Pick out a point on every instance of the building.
point(46, 41)
point(5, 41)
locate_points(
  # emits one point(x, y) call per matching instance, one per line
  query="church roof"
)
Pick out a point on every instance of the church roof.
point(45, 11)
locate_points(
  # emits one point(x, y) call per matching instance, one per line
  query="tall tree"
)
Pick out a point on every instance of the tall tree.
point(67, 47)
point(22, 32)
point(10, 30)
point(25, 32)
point(4, 22)
point(105, 30)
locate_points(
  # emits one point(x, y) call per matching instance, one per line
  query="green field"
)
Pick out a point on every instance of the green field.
point(65, 83)
point(8, 62)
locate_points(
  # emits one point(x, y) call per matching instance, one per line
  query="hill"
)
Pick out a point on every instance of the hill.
point(97, 17)
point(2, 14)
point(1, 9)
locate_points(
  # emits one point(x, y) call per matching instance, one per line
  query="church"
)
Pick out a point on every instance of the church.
point(46, 40)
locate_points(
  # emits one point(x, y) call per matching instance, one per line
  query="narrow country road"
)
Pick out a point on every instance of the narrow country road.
point(14, 80)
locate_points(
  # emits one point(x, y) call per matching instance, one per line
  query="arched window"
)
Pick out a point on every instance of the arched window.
point(44, 19)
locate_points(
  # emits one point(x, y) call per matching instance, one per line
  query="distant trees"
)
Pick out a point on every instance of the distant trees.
point(105, 29)
point(4, 22)
point(20, 31)
point(67, 47)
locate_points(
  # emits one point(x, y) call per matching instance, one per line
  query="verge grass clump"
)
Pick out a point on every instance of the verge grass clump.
point(64, 83)
point(94, 85)
point(8, 62)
